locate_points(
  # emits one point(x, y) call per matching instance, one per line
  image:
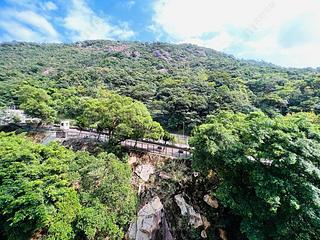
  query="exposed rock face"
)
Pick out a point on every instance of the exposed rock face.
point(148, 221)
point(204, 234)
point(47, 71)
point(201, 53)
point(144, 171)
point(164, 175)
point(223, 234)
point(118, 48)
point(135, 54)
point(206, 225)
point(211, 201)
point(163, 70)
point(132, 160)
point(162, 54)
point(168, 178)
point(187, 210)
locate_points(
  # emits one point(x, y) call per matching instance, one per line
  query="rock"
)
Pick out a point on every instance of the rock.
point(117, 48)
point(195, 174)
point(204, 234)
point(144, 171)
point(164, 175)
point(148, 221)
point(47, 71)
point(182, 204)
point(135, 54)
point(132, 231)
point(163, 70)
point(223, 234)
point(202, 53)
point(206, 223)
point(165, 229)
point(162, 54)
point(187, 210)
point(211, 201)
point(157, 53)
point(132, 160)
point(141, 189)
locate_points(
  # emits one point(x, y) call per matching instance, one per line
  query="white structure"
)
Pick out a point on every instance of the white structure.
point(65, 125)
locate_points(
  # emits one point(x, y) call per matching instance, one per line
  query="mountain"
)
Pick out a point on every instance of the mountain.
point(180, 84)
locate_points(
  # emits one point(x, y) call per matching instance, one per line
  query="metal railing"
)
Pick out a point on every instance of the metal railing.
point(139, 145)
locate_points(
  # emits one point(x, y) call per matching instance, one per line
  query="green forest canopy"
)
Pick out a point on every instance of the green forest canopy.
point(269, 171)
point(121, 117)
point(250, 127)
point(179, 84)
point(53, 191)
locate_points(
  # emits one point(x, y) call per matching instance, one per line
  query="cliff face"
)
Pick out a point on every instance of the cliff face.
point(173, 202)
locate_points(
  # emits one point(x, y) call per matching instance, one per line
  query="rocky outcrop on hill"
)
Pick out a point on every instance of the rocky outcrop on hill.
point(150, 220)
point(173, 201)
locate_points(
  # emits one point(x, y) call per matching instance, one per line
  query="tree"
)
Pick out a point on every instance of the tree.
point(106, 195)
point(121, 117)
point(55, 193)
point(67, 102)
point(269, 171)
point(35, 189)
point(37, 103)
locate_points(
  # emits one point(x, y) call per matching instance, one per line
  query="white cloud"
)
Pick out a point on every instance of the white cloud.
point(222, 41)
point(268, 48)
point(49, 6)
point(33, 5)
point(85, 24)
point(261, 29)
point(35, 20)
point(18, 32)
point(28, 4)
point(27, 26)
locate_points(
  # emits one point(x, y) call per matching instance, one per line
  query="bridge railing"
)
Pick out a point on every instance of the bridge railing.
point(144, 146)
point(156, 149)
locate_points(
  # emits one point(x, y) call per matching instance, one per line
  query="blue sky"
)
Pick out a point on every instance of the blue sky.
point(285, 32)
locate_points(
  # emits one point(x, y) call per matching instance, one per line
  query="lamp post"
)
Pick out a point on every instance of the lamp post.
point(183, 129)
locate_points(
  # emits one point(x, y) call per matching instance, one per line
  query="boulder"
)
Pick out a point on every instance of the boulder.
point(144, 171)
point(132, 160)
point(164, 175)
point(206, 223)
point(187, 210)
point(196, 174)
point(135, 54)
point(163, 70)
point(148, 221)
point(204, 234)
point(223, 234)
point(211, 201)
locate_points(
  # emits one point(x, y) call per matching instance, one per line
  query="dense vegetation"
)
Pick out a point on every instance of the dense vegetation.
point(53, 192)
point(180, 84)
point(121, 117)
point(255, 126)
point(269, 171)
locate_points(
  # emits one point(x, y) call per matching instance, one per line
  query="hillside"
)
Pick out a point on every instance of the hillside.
point(180, 84)
point(252, 168)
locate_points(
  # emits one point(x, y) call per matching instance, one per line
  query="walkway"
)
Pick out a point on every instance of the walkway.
point(156, 147)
